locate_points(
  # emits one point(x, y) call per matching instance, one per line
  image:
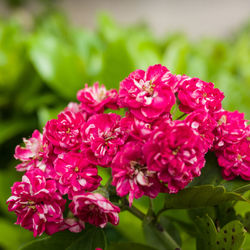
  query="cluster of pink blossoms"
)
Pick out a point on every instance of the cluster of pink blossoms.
point(147, 150)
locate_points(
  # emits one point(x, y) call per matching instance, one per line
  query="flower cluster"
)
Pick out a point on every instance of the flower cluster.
point(149, 150)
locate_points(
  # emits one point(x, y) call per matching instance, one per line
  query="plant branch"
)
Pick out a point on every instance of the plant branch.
point(135, 211)
point(160, 212)
point(132, 209)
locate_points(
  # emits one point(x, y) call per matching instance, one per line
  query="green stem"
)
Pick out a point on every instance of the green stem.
point(136, 212)
point(170, 241)
point(167, 239)
point(160, 212)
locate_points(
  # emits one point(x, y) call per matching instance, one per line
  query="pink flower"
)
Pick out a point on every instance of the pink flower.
point(176, 151)
point(96, 98)
point(76, 108)
point(231, 128)
point(204, 124)
point(64, 133)
point(94, 209)
point(74, 225)
point(38, 206)
point(196, 94)
point(131, 175)
point(141, 130)
point(75, 175)
point(235, 160)
point(148, 94)
point(31, 155)
point(102, 136)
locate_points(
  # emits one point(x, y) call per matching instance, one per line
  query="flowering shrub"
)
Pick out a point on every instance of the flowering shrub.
point(160, 145)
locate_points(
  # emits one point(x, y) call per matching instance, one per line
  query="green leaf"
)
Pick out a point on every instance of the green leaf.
point(91, 239)
point(211, 174)
point(117, 64)
point(200, 196)
point(58, 64)
point(128, 220)
point(170, 227)
point(11, 128)
point(132, 246)
point(7, 177)
point(8, 230)
point(88, 239)
point(58, 241)
point(157, 236)
point(231, 236)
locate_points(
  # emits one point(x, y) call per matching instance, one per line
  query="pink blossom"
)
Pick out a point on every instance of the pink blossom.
point(148, 94)
point(64, 133)
point(94, 209)
point(75, 175)
point(38, 206)
point(73, 225)
point(204, 124)
point(102, 136)
point(76, 108)
point(96, 98)
point(235, 160)
point(176, 152)
point(131, 175)
point(139, 129)
point(231, 128)
point(31, 154)
point(196, 94)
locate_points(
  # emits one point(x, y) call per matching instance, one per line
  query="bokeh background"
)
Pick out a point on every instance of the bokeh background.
point(49, 49)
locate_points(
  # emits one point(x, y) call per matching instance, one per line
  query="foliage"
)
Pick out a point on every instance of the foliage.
point(41, 70)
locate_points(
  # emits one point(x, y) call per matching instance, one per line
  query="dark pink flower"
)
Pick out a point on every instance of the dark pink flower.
point(139, 129)
point(75, 175)
point(231, 128)
point(204, 124)
point(235, 160)
point(176, 152)
point(148, 94)
point(37, 204)
point(102, 136)
point(76, 108)
point(94, 209)
point(96, 98)
point(64, 133)
point(32, 154)
point(131, 175)
point(196, 94)
point(74, 225)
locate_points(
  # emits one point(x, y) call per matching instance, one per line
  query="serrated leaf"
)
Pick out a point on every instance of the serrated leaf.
point(211, 174)
point(200, 196)
point(231, 236)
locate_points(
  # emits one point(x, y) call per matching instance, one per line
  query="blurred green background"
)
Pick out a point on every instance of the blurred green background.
point(44, 63)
